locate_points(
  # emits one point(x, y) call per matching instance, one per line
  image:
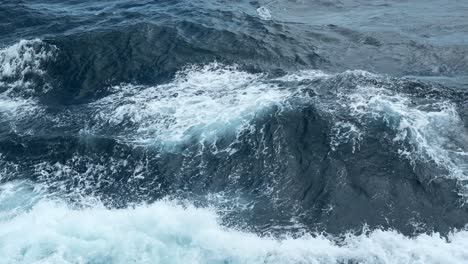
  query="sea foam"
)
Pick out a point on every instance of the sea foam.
point(49, 231)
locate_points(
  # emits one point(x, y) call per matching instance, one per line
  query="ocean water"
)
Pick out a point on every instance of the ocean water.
point(233, 132)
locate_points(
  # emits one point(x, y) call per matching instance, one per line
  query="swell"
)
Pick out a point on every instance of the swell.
point(148, 54)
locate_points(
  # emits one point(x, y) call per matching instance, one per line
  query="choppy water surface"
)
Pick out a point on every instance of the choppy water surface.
point(233, 132)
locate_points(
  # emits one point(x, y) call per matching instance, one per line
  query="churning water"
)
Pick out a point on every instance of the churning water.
point(233, 132)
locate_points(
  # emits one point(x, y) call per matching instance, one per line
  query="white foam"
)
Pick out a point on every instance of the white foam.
point(304, 75)
point(264, 13)
point(202, 101)
point(22, 58)
point(16, 197)
point(10, 105)
point(16, 62)
point(345, 132)
point(433, 131)
point(426, 130)
point(13, 110)
point(171, 232)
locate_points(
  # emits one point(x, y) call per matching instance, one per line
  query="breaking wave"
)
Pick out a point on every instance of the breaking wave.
point(50, 231)
point(200, 100)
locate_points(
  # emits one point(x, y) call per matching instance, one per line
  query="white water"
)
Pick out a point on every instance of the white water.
point(16, 62)
point(264, 13)
point(48, 231)
point(202, 101)
point(22, 58)
point(432, 132)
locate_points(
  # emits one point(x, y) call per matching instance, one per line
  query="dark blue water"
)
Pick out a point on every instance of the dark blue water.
point(233, 131)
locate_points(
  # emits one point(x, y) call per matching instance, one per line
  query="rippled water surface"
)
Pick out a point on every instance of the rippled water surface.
point(233, 131)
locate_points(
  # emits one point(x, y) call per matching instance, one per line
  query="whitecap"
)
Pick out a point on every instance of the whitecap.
point(23, 58)
point(201, 101)
point(264, 13)
point(174, 232)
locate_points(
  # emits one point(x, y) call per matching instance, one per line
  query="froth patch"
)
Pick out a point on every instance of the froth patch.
point(264, 13)
point(171, 232)
point(21, 66)
point(200, 102)
point(15, 110)
point(431, 132)
point(23, 60)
